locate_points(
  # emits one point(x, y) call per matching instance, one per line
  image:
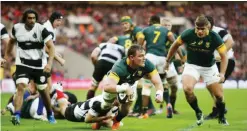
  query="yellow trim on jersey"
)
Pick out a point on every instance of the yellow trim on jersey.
point(128, 61)
point(157, 24)
point(114, 76)
point(140, 35)
point(115, 38)
point(169, 33)
point(179, 40)
point(153, 73)
point(222, 48)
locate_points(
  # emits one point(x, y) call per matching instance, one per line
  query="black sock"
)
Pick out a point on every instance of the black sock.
point(214, 110)
point(138, 104)
point(150, 104)
point(166, 95)
point(194, 106)
point(173, 100)
point(221, 109)
point(119, 116)
point(90, 94)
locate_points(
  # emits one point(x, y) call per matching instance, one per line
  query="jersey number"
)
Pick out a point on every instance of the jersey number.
point(157, 35)
point(127, 44)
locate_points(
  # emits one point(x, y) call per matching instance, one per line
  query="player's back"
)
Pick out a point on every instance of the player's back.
point(111, 52)
point(124, 41)
point(156, 38)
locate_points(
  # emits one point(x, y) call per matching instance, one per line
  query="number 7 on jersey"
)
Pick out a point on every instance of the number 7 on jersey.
point(157, 35)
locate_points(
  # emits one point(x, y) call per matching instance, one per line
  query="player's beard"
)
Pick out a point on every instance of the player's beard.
point(29, 26)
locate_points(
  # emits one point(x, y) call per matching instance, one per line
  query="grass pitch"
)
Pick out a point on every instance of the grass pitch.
point(235, 103)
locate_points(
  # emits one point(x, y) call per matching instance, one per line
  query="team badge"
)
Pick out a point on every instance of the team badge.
point(207, 44)
point(42, 79)
point(200, 43)
point(34, 35)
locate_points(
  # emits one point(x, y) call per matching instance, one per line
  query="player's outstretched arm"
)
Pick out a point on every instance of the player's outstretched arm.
point(156, 80)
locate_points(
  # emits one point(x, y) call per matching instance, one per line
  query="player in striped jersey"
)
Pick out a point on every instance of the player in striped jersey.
point(4, 40)
point(228, 40)
point(89, 111)
point(103, 58)
point(31, 62)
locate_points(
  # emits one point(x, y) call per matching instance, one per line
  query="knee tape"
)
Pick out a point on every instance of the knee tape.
point(41, 87)
point(146, 91)
point(22, 80)
point(95, 83)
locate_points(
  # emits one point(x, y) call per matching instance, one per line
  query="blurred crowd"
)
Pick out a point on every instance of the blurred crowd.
point(84, 38)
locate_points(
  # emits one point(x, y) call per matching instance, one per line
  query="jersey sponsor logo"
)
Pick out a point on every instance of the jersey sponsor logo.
point(193, 44)
point(21, 75)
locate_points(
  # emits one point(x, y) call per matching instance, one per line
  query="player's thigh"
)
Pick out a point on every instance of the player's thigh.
point(191, 70)
point(152, 58)
point(161, 61)
point(40, 79)
point(210, 74)
point(172, 71)
point(100, 70)
point(22, 75)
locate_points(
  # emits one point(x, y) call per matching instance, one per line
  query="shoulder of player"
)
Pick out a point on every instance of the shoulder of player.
point(148, 62)
point(213, 33)
point(18, 25)
point(217, 29)
point(120, 65)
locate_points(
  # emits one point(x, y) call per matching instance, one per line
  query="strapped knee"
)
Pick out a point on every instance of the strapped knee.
point(146, 91)
point(41, 87)
point(95, 83)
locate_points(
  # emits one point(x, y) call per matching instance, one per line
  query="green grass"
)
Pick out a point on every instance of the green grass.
point(235, 102)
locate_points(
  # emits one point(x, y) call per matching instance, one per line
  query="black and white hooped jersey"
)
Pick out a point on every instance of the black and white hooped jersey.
point(50, 28)
point(93, 107)
point(4, 33)
point(111, 52)
point(224, 36)
point(30, 51)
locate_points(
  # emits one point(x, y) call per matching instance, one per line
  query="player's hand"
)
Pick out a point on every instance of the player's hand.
point(222, 78)
point(159, 96)
point(47, 68)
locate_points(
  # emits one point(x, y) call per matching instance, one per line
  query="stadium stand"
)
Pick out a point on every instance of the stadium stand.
point(90, 23)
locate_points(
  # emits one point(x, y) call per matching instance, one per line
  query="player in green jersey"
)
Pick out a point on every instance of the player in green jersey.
point(155, 36)
point(131, 30)
point(200, 44)
point(171, 75)
point(123, 78)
